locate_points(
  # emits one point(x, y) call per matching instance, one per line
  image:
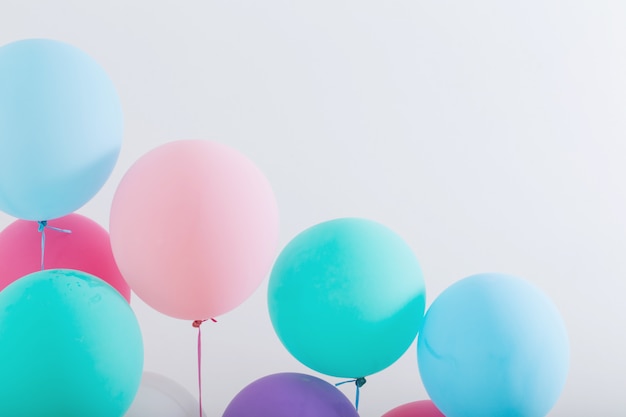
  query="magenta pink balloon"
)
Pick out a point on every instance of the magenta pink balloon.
point(424, 408)
point(194, 228)
point(87, 248)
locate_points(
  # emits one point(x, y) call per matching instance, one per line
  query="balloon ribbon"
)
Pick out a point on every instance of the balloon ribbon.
point(197, 324)
point(43, 225)
point(359, 382)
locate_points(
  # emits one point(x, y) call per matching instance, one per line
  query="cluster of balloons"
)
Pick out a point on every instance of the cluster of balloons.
point(346, 298)
point(70, 344)
point(193, 232)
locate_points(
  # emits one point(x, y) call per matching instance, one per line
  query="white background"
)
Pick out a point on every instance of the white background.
point(489, 134)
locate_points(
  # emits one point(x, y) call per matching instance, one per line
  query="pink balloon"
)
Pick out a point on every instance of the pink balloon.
point(194, 228)
point(87, 248)
point(424, 408)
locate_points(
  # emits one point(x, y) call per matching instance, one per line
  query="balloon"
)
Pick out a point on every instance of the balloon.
point(424, 408)
point(290, 395)
point(159, 396)
point(87, 248)
point(493, 345)
point(71, 346)
point(194, 228)
point(346, 297)
point(60, 128)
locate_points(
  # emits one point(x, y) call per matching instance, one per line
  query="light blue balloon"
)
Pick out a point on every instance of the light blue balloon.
point(493, 345)
point(61, 128)
point(346, 297)
point(70, 346)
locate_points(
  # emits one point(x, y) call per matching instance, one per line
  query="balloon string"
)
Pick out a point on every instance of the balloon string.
point(359, 382)
point(197, 324)
point(43, 225)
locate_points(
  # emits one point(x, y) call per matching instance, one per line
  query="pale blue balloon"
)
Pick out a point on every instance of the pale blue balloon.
point(61, 128)
point(493, 345)
point(346, 297)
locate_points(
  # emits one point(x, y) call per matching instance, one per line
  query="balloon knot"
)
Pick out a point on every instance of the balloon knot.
point(198, 323)
point(42, 225)
point(360, 381)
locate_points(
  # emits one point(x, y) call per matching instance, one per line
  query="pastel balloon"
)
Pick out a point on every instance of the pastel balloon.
point(160, 396)
point(194, 228)
point(290, 395)
point(61, 128)
point(71, 346)
point(424, 408)
point(493, 345)
point(87, 248)
point(346, 297)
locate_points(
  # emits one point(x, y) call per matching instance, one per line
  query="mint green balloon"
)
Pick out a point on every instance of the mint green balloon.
point(346, 297)
point(70, 346)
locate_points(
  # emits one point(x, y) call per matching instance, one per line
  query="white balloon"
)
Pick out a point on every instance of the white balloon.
point(159, 396)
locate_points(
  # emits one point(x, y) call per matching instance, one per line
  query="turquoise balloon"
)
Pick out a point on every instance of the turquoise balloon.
point(493, 345)
point(61, 128)
point(70, 346)
point(346, 297)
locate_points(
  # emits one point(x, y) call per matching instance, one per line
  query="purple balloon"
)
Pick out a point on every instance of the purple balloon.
point(290, 395)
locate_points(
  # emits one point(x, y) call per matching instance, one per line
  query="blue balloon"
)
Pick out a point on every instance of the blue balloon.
point(70, 346)
point(346, 297)
point(493, 345)
point(61, 128)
